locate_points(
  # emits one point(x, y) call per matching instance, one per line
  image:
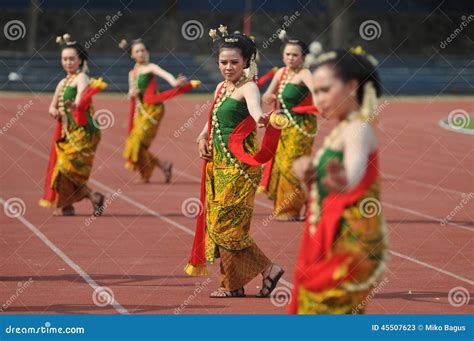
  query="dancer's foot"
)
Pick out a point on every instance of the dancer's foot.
point(224, 293)
point(290, 218)
point(271, 276)
point(67, 211)
point(167, 168)
point(97, 200)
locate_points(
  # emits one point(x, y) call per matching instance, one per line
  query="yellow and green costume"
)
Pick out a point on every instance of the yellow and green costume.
point(296, 140)
point(344, 246)
point(147, 119)
point(229, 194)
point(73, 155)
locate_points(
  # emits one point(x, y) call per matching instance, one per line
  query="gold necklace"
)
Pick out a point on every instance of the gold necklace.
point(315, 209)
point(225, 93)
point(69, 79)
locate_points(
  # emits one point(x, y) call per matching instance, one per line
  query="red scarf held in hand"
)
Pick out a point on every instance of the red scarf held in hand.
point(197, 261)
point(269, 75)
point(315, 268)
point(151, 97)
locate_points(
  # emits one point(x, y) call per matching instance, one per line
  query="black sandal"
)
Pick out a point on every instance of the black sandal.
point(168, 172)
point(270, 283)
point(67, 211)
point(98, 204)
point(227, 293)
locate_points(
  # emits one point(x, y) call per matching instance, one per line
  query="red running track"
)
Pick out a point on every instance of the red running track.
point(139, 247)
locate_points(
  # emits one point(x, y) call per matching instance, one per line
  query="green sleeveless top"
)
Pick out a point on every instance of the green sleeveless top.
point(69, 94)
point(230, 114)
point(142, 82)
point(292, 95)
point(321, 172)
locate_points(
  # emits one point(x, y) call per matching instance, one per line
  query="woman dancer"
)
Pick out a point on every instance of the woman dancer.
point(343, 250)
point(77, 135)
point(146, 117)
point(291, 87)
point(230, 185)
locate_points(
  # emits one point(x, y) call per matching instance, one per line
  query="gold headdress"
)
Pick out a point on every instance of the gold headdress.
point(359, 50)
point(222, 30)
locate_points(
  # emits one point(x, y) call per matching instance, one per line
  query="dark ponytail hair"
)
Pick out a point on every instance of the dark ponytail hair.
point(349, 66)
point(303, 46)
point(243, 43)
point(127, 47)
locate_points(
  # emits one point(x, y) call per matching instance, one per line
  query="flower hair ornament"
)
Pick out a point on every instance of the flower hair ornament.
point(314, 54)
point(123, 44)
point(65, 39)
point(359, 50)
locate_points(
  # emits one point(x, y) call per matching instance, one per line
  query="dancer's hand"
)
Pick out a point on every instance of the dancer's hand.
point(335, 179)
point(70, 105)
point(205, 152)
point(54, 113)
point(133, 93)
point(304, 170)
point(181, 80)
point(268, 99)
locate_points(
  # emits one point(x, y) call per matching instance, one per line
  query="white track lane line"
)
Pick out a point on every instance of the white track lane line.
point(88, 279)
point(189, 231)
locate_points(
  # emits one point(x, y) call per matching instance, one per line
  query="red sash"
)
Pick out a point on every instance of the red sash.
point(197, 261)
point(315, 268)
point(269, 75)
point(49, 196)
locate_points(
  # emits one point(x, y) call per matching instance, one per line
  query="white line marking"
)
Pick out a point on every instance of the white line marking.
point(416, 261)
point(426, 216)
point(88, 279)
